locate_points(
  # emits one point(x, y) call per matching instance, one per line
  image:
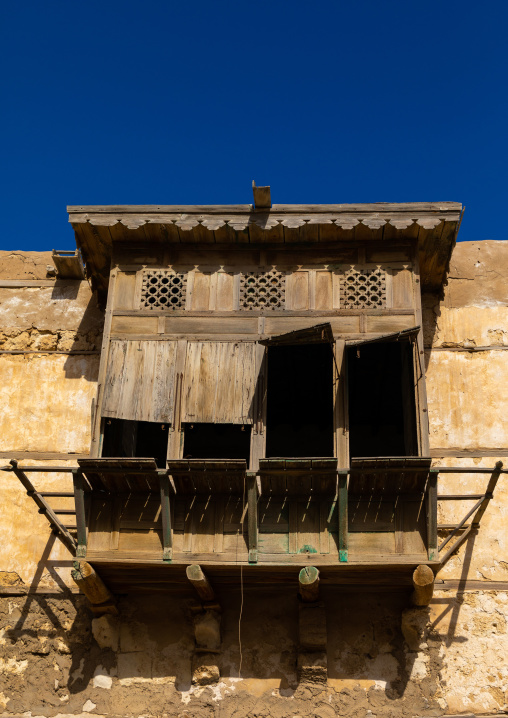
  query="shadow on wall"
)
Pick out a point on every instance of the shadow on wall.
point(87, 336)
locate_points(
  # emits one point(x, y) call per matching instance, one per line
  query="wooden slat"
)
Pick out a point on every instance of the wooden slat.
point(124, 475)
point(140, 381)
point(219, 382)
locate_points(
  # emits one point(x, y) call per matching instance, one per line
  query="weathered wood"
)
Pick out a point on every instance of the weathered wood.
point(79, 500)
point(308, 579)
point(200, 582)
point(262, 197)
point(140, 381)
point(423, 584)
point(252, 499)
point(69, 264)
point(44, 507)
point(343, 517)
point(432, 517)
point(219, 382)
point(167, 534)
point(488, 494)
point(93, 586)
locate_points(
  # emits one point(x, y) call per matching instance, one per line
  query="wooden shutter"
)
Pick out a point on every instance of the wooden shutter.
point(404, 335)
point(140, 381)
point(317, 334)
point(219, 383)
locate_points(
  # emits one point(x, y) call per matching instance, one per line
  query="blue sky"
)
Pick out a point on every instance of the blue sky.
point(159, 102)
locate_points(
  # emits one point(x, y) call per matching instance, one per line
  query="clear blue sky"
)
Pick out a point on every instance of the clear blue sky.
point(162, 102)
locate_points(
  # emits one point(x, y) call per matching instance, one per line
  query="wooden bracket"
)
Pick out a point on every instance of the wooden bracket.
point(308, 579)
point(93, 587)
point(252, 508)
point(202, 585)
point(423, 584)
point(167, 534)
point(343, 517)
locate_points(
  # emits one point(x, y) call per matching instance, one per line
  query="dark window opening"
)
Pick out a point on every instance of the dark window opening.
point(300, 401)
point(382, 412)
point(144, 439)
point(216, 441)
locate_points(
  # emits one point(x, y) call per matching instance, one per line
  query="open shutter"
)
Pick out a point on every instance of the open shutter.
point(404, 335)
point(411, 384)
point(317, 334)
point(219, 382)
point(140, 381)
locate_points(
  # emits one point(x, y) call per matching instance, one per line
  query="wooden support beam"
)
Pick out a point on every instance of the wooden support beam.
point(309, 584)
point(262, 197)
point(167, 534)
point(79, 500)
point(93, 587)
point(432, 516)
point(343, 517)
point(488, 494)
point(252, 516)
point(200, 582)
point(44, 507)
point(423, 584)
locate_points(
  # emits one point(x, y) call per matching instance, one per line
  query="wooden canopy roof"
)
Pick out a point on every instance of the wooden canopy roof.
point(433, 224)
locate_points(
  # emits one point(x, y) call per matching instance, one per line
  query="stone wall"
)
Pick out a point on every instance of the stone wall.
point(384, 658)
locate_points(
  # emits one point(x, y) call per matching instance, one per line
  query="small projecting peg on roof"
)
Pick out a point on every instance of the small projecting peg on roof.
point(262, 198)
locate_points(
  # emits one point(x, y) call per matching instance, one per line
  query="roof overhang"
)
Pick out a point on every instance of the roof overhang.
point(434, 225)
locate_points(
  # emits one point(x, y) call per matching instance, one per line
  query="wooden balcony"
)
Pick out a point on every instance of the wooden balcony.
point(370, 524)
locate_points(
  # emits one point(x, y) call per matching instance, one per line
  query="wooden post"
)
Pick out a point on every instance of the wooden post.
point(167, 536)
point(423, 583)
point(93, 587)
point(79, 501)
point(309, 584)
point(252, 499)
point(200, 582)
point(343, 518)
point(432, 515)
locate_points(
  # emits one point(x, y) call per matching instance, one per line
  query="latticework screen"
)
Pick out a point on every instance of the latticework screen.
point(363, 289)
point(163, 289)
point(262, 290)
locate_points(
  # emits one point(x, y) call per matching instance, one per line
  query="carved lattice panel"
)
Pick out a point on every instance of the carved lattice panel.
point(363, 289)
point(262, 290)
point(163, 289)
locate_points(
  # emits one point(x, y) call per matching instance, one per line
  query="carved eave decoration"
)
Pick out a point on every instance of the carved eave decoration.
point(434, 225)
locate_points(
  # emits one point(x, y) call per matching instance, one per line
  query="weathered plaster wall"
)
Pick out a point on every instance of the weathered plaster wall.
point(50, 337)
point(384, 659)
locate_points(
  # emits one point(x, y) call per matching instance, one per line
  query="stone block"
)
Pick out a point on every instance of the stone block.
point(312, 667)
point(106, 631)
point(207, 630)
point(415, 623)
point(205, 669)
point(312, 626)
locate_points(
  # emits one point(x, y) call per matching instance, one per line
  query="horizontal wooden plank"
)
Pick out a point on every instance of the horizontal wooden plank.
point(339, 324)
point(464, 453)
point(373, 207)
point(20, 283)
point(386, 324)
point(270, 313)
point(133, 325)
point(211, 325)
point(42, 455)
point(385, 562)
